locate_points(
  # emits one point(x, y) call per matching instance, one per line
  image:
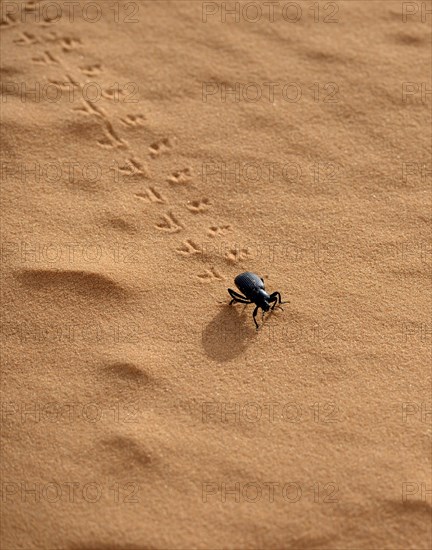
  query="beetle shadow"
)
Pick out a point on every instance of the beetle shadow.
point(229, 333)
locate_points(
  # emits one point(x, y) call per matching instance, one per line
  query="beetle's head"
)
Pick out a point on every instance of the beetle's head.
point(262, 300)
point(265, 305)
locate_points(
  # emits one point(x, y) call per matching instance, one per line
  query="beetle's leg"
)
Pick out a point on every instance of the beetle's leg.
point(236, 297)
point(237, 301)
point(274, 298)
point(275, 303)
point(254, 317)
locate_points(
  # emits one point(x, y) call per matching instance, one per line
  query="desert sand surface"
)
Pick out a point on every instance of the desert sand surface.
point(151, 152)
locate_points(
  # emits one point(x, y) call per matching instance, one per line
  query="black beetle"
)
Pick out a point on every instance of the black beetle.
point(254, 292)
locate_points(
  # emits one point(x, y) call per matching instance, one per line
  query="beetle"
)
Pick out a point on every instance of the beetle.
point(254, 292)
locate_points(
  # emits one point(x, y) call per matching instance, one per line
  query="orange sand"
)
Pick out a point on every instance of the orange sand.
point(143, 413)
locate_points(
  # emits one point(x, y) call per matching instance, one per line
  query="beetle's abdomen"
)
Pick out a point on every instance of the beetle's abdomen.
point(248, 283)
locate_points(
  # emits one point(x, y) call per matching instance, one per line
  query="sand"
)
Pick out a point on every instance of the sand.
point(152, 151)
